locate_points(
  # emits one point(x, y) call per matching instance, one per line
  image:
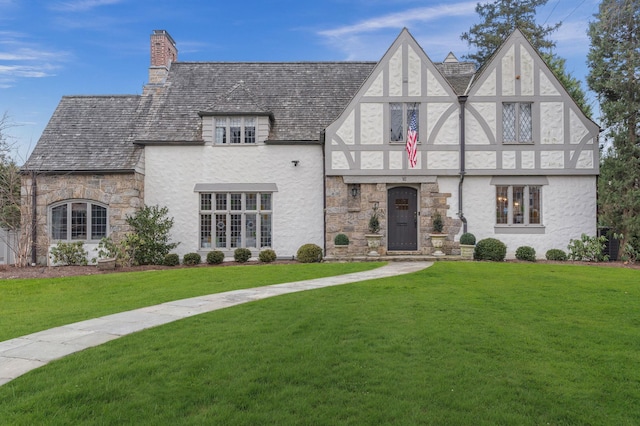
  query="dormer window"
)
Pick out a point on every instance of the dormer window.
point(235, 130)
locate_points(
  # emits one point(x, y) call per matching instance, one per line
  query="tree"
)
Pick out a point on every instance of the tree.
point(500, 19)
point(614, 74)
point(9, 181)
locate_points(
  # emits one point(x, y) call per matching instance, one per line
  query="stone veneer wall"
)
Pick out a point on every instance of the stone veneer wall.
point(350, 216)
point(123, 193)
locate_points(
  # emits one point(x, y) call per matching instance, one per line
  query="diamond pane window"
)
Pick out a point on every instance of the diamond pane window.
point(509, 123)
point(526, 133)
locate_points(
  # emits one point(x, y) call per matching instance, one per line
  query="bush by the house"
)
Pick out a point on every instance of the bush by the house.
point(267, 256)
point(241, 255)
point(215, 257)
point(341, 240)
point(526, 253)
point(69, 253)
point(556, 254)
point(490, 249)
point(468, 239)
point(148, 243)
point(191, 259)
point(171, 259)
point(588, 249)
point(309, 253)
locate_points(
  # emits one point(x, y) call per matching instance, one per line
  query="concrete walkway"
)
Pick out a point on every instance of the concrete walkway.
point(26, 353)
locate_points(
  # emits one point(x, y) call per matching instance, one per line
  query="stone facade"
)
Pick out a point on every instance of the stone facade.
point(349, 207)
point(123, 193)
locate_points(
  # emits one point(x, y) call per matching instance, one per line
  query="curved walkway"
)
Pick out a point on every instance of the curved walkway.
point(26, 353)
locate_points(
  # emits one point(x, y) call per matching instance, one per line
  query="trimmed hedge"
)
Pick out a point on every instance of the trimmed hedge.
point(468, 239)
point(171, 259)
point(242, 255)
point(309, 253)
point(556, 254)
point(490, 249)
point(267, 256)
point(341, 240)
point(191, 259)
point(215, 257)
point(526, 253)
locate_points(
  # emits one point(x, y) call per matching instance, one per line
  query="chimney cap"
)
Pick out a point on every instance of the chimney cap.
point(166, 34)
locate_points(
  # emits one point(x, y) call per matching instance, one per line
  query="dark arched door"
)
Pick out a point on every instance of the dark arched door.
point(402, 218)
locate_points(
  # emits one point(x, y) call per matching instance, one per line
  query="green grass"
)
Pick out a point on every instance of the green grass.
point(27, 306)
point(458, 343)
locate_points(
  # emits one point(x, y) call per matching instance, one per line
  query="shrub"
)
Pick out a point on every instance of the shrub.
point(589, 249)
point(526, 253)
point(215, 257)
point(69, 253)
point(374, 222)
point(242, 255)
point(267, 256)
point(191, 259)
point(309, 253)
point(468, 239)
point(490, 249)
point(171, 259)
point(437, 223)
point(556, 254)
point(148, 244)
point(341, 240)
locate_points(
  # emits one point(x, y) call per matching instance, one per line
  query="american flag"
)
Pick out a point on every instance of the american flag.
point(412, 140)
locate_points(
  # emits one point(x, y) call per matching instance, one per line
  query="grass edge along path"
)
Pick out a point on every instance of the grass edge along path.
point(32, 305)
point(457, 343)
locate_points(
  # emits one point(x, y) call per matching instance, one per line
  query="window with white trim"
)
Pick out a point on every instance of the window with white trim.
point(400, 115)
point(235, 130)
point(229, 220)
point(76, 220)
point(518, 205)
point(517, 122)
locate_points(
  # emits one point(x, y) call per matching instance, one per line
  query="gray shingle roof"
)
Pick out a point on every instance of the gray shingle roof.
point(89, 133)
point(98, 133)
point(303, 97)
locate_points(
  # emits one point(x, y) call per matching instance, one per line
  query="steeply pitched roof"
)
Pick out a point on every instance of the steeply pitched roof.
point(89, 133)
point(302, 97)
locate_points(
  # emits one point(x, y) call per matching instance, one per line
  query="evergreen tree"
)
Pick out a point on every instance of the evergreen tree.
point(614, 62)
point(500, 18)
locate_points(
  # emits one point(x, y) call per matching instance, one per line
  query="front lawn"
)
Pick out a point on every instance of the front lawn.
point(31, 305)
point(458, 343)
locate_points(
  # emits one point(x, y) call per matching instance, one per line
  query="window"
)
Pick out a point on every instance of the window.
point(518, 205)
point(229, 220)
point(235, 130)
point(517, 123)
point(78, 220)
point(400, 115)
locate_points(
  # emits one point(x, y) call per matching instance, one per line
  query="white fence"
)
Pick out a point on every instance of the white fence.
point(8, 244)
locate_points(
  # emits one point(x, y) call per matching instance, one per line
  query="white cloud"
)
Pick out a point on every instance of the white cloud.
point(82, 5)
point(403, 19)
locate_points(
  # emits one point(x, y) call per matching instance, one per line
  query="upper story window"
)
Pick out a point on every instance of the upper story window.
point(235, 130)
point(517, 123)
point(400, 115)
point(78, 220)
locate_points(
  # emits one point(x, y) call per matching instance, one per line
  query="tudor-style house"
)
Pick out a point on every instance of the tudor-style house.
point(276, 155)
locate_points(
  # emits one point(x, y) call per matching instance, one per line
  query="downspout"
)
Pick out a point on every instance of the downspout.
point(462, 100)
point(34, 219)
point(323, 135)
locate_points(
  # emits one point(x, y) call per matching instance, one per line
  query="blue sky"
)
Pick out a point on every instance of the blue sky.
point(51, 48)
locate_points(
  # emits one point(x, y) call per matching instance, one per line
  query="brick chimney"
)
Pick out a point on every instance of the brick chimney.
point(163, 53)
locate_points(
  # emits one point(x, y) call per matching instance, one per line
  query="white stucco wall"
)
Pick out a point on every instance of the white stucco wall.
point(173, 171)
point(568, 210)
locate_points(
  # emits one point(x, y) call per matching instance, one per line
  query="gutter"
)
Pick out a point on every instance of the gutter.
point(462, 100)
point(34, 219)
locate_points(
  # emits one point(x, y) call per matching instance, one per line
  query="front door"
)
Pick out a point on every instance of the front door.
point(402, 218)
